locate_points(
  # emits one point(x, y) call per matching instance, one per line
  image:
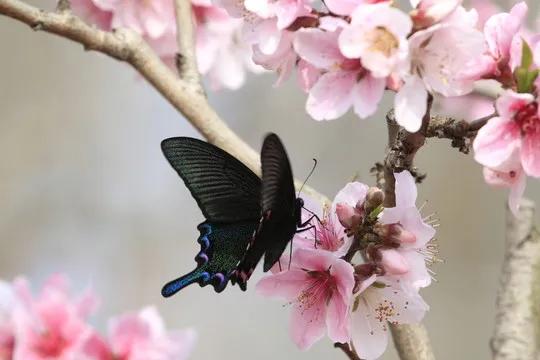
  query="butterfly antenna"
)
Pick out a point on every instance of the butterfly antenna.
point(309, 175)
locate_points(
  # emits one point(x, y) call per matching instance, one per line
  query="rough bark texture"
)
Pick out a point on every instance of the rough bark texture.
point(516, 334)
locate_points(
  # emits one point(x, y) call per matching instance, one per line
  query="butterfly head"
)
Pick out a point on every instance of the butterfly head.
point(298, 205)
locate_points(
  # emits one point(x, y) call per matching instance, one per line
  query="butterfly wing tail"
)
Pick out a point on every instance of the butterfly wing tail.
point(196, 276)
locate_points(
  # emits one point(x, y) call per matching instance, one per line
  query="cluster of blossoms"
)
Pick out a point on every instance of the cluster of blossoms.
point(222, 55)
point(347, 53)
point(54, 325)
point(361, 268)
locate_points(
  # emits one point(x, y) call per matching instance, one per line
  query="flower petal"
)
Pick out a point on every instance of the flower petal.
point(332, 95)
point(411, 104)
point(496, 141)
point(368, 92)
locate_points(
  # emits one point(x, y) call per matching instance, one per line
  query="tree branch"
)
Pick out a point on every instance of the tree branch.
point(460, 132)
point(411, 341)
point(187, 57)
point(126, 45)
point(351, 354)
point(517, 321)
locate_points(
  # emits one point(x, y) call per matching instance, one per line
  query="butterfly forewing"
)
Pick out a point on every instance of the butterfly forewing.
point(277, 181)
point(225, 189)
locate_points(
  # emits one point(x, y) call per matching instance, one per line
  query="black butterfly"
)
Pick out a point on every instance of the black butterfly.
point(246, 218)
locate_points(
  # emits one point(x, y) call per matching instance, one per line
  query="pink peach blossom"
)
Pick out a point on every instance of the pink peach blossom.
point(52, 325)
point(93, 13)
point(343, 82)
point(437, 67)
point(140, 336)
point(377, 36)
point(7, 331)
point(516, 129)
point(222, 56)
point(319, 286)
point(386, 301)
point(409, 233)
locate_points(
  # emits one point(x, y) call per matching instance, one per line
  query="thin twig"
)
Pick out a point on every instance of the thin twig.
point(63, 6)
point(187, 58)
point(126, 45)
point(411, 340)
point(351, 354)
point(517, 321)
point(460, 132)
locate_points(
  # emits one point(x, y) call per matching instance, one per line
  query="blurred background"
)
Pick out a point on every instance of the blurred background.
point(85, 190)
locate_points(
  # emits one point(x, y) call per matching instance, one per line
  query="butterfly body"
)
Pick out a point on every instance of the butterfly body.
point(246, 217)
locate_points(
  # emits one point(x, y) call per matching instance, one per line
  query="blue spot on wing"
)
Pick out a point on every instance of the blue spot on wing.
point(222, 248)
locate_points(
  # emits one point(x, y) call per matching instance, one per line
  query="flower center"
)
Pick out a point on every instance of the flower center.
point(383, 41)
point(320, 290)
point(527, 118)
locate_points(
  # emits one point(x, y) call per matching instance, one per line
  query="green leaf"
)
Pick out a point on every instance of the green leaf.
point(526, 56)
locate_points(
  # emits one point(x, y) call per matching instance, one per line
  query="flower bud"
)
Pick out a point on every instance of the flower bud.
point(348, 216)
point(374, 199)
point(393, 262)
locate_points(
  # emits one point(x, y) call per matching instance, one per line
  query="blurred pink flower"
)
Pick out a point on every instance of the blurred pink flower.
point(343, 83)
point(222, 55)
point(437, 67)
point(140, 336)
point(7, 331)
point(377, 36)
point(93, 13)
point(149, 18)
point(53, 324)
point(319, 286)
point(348, 205)
point(501, 33)
point(408, 234)
point(285, 11)
point(516, 129)
point(385, 301)
point(509, 175)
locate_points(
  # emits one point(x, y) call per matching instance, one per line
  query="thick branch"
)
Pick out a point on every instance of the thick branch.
point(516, 334)
point(126, 45)
point(187, 58)
point(411, 341)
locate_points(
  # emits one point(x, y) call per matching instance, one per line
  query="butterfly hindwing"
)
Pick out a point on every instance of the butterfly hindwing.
point(222, 247)
point(225, 189)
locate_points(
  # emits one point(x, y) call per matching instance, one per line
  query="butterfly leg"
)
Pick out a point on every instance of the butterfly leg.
point(310, 227)
point(313, 215)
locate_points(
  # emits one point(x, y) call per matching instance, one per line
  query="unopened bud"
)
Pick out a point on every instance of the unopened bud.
point(348, 216)
point(374, 199)
point(393, 262)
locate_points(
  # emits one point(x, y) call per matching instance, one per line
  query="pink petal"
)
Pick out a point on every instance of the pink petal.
point(351, 194)
point(411, 104)
point(496, 141)
point(342, 7)
point(318, 47)
point(287, 284)
point(368, 336)
point(368, 93)
point(530, 153)
point(313, 259)
point(418, 275)
point(332, 95)
point(337, 319)
point(516, 193)
point(405, 188)
point(393, 262)
point(510, 102)
point(307, 75)
point(411, 220)
point(307, 324)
